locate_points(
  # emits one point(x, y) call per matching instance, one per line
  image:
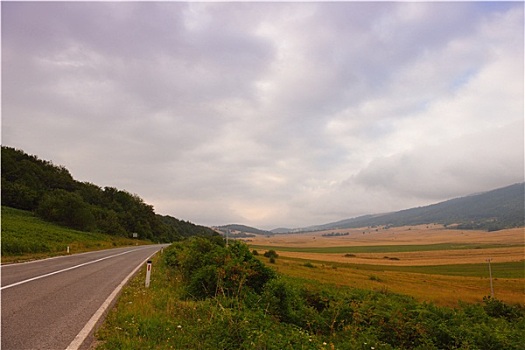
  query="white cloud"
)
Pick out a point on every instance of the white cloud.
point(269, 114)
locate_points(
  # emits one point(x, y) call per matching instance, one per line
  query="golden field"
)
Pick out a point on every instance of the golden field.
point(363, 269)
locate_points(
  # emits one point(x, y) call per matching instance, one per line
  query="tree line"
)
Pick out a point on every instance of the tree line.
point(50, 191)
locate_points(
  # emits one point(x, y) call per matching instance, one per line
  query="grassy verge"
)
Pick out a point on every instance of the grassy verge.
point(296, 313)
point(159, 318)
point(27, 237)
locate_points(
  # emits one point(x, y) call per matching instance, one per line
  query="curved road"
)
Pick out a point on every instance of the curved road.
point(46, 304)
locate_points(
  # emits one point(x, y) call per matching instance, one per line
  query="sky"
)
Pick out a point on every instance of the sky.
point(270, 114)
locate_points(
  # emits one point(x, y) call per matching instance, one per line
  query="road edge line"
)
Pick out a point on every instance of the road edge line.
point(64, 270)
point(90, 325)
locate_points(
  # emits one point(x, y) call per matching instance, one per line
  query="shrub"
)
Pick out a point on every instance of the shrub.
point(209, 268)
point(271, 254)
point(497, 308)
point(284, 301)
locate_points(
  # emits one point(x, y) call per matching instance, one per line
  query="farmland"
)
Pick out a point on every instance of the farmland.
point(208, 295)
point(428, 262)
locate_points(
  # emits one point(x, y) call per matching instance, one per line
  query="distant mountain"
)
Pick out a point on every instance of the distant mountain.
point(242, 229)
point(493, 210)
point(282, 230)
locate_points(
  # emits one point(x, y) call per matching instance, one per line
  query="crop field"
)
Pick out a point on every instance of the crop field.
point(428, 262)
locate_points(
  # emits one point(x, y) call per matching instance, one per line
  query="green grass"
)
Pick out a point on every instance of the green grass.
point(26, 237)
point(159, 318)
point(499, 270)
point(385, 248)
point(299, 313)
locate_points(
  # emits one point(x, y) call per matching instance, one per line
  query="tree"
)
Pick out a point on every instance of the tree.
point(68, 209)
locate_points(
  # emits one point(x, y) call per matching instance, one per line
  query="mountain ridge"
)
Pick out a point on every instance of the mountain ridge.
point(490, 210)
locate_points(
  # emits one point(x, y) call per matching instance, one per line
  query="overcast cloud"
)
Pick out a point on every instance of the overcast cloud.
point(270, 114)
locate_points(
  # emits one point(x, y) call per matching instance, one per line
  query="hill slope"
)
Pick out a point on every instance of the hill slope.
point(242, 229)
point(492, 210)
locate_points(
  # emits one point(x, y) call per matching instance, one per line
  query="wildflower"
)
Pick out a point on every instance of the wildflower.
point(179, 326)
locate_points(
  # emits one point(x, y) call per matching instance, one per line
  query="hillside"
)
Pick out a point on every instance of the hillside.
point(242, 229)
point(49, 191)
point(27, 237)
point(493, 210)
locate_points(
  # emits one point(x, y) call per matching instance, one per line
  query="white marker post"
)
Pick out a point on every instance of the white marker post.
point(148, 273)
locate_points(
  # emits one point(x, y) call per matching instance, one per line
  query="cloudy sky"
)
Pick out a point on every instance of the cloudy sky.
point(270, 114)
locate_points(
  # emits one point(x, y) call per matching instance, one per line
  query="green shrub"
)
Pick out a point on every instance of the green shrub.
point(209, 268)
point(271, 254)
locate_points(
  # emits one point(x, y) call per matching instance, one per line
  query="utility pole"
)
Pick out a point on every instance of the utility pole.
point(490, 276)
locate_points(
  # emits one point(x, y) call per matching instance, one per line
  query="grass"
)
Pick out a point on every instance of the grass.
point(499, 270)
point(443, 285)
point(329, 315)
point(383, 248)
point(158, 318)
point(27, 237)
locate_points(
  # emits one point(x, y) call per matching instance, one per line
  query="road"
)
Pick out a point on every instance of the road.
point(46, 304)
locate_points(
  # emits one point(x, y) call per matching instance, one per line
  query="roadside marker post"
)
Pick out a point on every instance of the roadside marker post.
point(148, 273)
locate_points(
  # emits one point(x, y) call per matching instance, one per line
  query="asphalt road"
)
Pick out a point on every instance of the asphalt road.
point(47, 303)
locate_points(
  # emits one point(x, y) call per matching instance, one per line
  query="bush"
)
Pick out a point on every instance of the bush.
point(496, 308)
point(271, 254)
point(284, 301)
point(209, 268)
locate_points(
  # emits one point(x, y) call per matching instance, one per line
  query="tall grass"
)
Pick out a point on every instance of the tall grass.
point(25, 236)
point(292, 313)
point(443, 285)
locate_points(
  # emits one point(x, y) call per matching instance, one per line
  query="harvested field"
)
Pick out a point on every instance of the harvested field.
point(429, 262)
point(413, 235)
point(482, 245)
point(423, 258)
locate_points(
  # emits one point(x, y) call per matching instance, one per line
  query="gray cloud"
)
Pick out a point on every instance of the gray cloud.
point(269, 114)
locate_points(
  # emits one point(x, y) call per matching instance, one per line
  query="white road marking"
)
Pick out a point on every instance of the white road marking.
point(64, 270)
point(84, 333)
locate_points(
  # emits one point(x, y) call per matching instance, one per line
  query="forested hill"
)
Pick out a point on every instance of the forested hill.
point(50, 192)
point(493, 210)
point(242, 229)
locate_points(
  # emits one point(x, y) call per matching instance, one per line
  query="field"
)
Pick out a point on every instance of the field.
point(428, 262)
point(205, 295)
point(26, 237)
